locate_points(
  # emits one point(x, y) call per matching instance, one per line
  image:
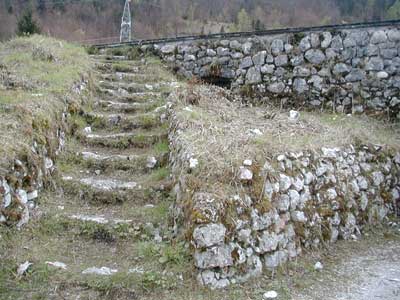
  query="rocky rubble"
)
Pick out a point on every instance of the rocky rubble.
point(352, 71)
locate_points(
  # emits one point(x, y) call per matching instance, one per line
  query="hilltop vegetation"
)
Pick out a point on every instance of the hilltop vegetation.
point(36, 78)
point(94, 19)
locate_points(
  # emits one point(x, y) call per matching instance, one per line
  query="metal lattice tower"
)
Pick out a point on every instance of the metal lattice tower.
point(126, 24)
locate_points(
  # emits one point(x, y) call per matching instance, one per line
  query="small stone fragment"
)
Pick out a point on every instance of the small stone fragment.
point(294, 116)
point(245, 174)
point(22, 268)
point(151, 162)
point(318, 266)
point(270, 295)
point(193, 163)
point(104, 271)
point(57, 264)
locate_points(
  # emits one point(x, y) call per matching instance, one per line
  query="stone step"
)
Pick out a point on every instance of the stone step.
point(128, 87)
point(105, 57)
point(116, 190)
point(126, 121)
point(138, 139)
point(126, 107)
point(137, 87)
point(105, 162)
point(120, 67)
point(122, 93)
point(132, 77)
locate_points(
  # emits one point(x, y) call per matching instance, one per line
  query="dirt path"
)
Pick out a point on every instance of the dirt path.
point(369, 273)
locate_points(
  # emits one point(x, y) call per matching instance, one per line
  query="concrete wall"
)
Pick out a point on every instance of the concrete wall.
point(350, 71)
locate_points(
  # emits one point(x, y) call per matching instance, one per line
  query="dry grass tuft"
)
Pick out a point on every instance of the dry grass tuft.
point(221, 132)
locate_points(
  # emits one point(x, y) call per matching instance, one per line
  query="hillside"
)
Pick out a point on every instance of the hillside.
point(94, 19)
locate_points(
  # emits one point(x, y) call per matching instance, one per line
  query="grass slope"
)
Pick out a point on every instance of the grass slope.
point(36, 78)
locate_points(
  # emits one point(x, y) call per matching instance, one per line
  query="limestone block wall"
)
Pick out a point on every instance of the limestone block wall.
point(350, 71)
point(294, 201)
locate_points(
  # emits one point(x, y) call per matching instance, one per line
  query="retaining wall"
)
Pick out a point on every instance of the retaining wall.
point(350, 71)
point(287, 203)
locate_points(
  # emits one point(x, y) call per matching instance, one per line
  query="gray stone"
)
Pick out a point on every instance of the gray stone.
point(267, 242)
point(283, 203)
point(378, 37)
point(337, 43)
point(209, 278)
point(349, 42)
point(300, 85)
point(341, 69)
point(298, 216)
point(315, 42)
point(297, 60)
point(294, 197)
point(235, 45)
point(331, 54)
point(237, 55)
point(377, 178)
point(389, 53)
point(211, 52)
point(374, 64)
point(275, 260)
point(382, 75)
point(300, 71)
point(281, 60)
point(395, 101)
point(259, 58)
point(247, 62)
point(268, 69)
point(394, 35)
point(284, 182)
point(331, 194)
point(355, 75)
point(315, 56)
point(253, 76)
point(276, 87)
point(244, 236)
point(305, 44)
point(219, 256)
point(288, 48)
point(326, 39)
point(277, 47)
point(223, 51)
point(372, 50)
point(209, 235)
point(246, 48)
point(168, 49)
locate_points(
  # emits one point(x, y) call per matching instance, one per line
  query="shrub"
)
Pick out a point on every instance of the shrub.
point(27, 25)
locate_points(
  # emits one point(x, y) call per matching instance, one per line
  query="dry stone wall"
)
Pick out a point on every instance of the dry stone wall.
point(351, 71)
point(30, 171)
point(293, 201)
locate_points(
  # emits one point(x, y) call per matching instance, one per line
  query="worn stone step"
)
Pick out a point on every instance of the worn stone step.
point(139, 139)
point(115, 190)
point(105, 57)
point(142, 162)
point(134, 77)
point(120, 67)
point(122, 93)
point(126, 121)
point(133, 87)
point(129, 87)
point(128, 107)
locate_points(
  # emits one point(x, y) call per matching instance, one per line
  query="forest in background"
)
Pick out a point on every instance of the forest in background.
point(81, 20)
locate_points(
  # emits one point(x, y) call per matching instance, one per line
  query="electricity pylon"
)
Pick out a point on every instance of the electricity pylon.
point(126, 24)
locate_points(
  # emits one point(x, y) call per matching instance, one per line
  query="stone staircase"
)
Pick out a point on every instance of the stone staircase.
point(114, 179)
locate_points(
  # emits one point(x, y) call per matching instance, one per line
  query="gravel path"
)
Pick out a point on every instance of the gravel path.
point(372, 273)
